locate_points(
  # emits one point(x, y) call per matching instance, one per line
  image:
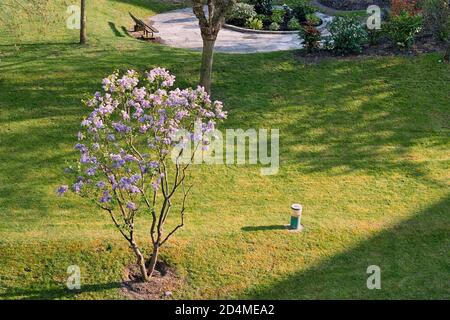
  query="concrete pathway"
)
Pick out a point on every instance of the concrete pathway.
point(179, 29)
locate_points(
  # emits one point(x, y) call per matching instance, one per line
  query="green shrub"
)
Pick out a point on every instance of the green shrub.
point(254, 23)
point(277, 16)
point(240, 13)
point(263, 6)
point(293, 24)
point(437, 18)
point(311, 36)
point(347, 35)
point(301, 9)
point(288, 15)
point(374, 36)
point(274, 26)
point(403, 28)
point(312, 19)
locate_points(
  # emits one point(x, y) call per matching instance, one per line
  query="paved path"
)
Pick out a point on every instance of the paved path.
point(179, 29)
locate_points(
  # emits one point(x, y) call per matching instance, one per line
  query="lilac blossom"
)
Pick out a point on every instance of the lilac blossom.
point(77, 186)
point(62, 189)
point(131, 205)
point(106, 197)
point(161, 76)
point(120, 127)
point(101, 184)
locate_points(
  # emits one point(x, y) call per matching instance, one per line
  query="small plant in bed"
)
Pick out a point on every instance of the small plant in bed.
point(311, 37)
point(254, 23)
point(405, 22)
point(403, 28)
point(293, 24)
point(274, 26)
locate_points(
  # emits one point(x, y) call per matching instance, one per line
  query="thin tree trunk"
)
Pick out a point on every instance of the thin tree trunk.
point(140, 262)
point(83, 37)
point(207, 64)
point(152, 262)
point(447, 52)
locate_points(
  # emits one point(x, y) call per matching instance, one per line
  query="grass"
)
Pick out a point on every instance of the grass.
point(364, 147)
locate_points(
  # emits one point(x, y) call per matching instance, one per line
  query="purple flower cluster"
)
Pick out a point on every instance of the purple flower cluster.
point(128, 183)
point(161, 76)
point(131, 129)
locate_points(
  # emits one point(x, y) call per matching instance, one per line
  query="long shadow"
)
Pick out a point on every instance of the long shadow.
point(114, 29)
point(125, 31)
point(413, 257)
point(263, 228)
point(155, 5)
point(56, 293)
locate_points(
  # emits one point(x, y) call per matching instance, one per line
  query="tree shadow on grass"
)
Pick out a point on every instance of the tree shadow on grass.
point(56, 293)
point(155, 5)
point(413, 257)
point(263, 228)
point(342, 116)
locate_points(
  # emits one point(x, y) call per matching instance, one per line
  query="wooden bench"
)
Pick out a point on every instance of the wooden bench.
point(139, 25)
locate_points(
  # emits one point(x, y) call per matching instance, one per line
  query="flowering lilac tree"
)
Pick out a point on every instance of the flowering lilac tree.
point(126, 147)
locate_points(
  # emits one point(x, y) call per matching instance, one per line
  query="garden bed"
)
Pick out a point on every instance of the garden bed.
point(320, 26)
point(424, 44)
point(263, 16)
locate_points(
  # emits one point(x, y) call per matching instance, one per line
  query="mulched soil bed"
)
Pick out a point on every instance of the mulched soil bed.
point(163, 282)
point(423, 44)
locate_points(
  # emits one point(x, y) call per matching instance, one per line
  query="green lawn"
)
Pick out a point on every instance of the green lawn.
point(364, 147)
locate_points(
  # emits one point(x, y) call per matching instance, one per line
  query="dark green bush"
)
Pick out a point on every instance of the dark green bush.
point(437, 18)
point(288, 15)
point(374, 36)
point(301, 9)
point(277, 16)
point(263, 6)
point(293, 24)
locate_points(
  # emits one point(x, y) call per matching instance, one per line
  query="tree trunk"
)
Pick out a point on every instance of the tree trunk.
point(152, 262)
point(140, 262)
point(207, 64)
point(83, 36)
point(447, 52)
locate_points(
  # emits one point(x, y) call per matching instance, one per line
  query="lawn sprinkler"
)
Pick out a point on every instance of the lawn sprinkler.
point(296, 217)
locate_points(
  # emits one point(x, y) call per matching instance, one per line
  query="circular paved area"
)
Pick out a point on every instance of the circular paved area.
point(179, 29)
